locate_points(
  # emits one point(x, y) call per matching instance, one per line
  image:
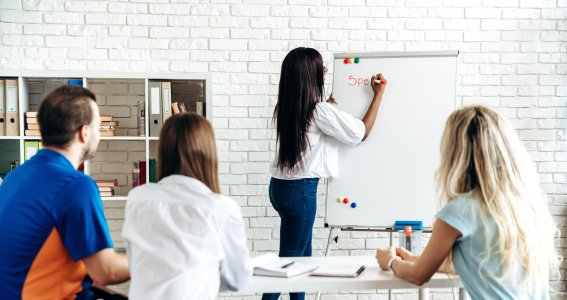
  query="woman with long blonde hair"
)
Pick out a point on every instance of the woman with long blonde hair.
point(495, 226)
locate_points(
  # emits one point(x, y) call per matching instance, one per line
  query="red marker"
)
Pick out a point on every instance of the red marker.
point(381, 81)
point(408, 231)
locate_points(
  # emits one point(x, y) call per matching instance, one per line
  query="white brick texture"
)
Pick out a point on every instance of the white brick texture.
point(513, 57)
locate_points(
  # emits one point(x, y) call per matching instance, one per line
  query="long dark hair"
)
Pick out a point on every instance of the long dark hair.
point(187, 147)
point(301, 87)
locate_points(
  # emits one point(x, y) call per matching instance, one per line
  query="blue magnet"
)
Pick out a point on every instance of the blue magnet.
point(353, 205)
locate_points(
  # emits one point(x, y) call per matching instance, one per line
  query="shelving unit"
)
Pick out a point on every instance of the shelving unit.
point(118, 94)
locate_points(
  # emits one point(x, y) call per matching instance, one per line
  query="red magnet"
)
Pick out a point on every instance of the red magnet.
point(345, 200)
point(346, 60)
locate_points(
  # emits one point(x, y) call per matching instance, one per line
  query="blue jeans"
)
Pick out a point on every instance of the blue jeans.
point(296, 203)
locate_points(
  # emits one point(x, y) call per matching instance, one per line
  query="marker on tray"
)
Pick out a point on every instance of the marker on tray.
point(408, 237)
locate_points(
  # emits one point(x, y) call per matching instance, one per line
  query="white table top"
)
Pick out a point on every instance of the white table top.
point(372, 278)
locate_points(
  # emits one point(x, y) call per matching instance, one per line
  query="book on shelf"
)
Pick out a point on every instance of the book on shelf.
point(107, 132)
point(182, 107)
point(136, 180)
point(31, 114)
point(153, 170)
point(32, 126)
point(155, 110)
point(31, 148)
point(272, 265)
point(106, 118)
point(105, 188)
point(139, 172)
point(106, 182)
point(200, 108)
point(175, 107)
point(31, 120)
point(12, 114)
point(107, 193)
point(141, 114)
point(32, 132)
point(109, 123)
point(166, 100)
point(339, 271)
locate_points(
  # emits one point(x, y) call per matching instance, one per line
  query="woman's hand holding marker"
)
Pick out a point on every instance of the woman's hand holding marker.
point(378, 83)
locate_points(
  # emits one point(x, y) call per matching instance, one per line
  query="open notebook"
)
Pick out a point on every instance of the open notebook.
point(339, 271)
point(271, 265)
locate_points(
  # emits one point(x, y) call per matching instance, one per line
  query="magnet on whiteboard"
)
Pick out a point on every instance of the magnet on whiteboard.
point(346, 61)
point(345, 200)
point(356, 60)
point(340, 199)
point(353, 205)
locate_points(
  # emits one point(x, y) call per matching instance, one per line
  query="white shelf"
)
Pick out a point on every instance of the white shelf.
point(123, 138)
point(115, 198)
point(28, 97)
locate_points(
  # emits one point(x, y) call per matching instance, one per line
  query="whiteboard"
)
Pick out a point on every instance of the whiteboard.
point(391, 175)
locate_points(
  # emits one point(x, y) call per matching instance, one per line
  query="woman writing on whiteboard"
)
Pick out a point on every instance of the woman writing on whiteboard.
point(495, 226)
point(308, 133)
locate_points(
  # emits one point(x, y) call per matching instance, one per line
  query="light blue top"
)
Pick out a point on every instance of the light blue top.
point(478, 276)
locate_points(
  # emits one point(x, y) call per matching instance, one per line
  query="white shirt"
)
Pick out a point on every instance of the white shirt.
point(183, 241)
point(321, 158)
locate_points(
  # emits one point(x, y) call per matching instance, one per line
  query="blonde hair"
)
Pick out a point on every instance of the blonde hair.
point(481, 155)
point(187, 147)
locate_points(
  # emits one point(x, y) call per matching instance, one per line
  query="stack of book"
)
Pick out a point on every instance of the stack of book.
point(32, 126)
point(106, 187)
point(107, 126)
point(139, 172)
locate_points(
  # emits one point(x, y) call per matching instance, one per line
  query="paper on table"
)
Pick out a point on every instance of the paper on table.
point(339, 271)
point(264, 259)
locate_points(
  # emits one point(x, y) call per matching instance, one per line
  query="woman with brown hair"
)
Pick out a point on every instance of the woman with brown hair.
point(185, 239)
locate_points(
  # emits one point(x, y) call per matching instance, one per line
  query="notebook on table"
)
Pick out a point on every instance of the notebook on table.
point(339, 271)
point(271, 265)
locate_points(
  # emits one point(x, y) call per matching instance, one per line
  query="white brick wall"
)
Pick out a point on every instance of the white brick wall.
point(513, 57)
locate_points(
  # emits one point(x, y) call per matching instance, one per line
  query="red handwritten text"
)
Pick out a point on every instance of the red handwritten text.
point(357, 81)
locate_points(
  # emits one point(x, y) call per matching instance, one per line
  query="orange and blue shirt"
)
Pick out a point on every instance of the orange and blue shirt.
point(51, 217)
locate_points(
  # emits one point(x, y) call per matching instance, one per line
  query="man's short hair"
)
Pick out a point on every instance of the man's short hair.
point(62, 113)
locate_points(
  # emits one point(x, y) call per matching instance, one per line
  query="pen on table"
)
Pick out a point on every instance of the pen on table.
point(288, 264)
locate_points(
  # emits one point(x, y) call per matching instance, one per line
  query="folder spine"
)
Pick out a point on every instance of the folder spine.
point(156, 118)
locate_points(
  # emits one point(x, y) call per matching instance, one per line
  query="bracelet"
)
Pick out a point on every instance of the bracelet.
point(391, 261)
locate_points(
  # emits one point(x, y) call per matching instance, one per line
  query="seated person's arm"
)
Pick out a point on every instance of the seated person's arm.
point(410, 257)
point(420, 270)
point(236, 269)
point(107, 267)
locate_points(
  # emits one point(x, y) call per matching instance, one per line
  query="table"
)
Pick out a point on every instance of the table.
point(372, 278)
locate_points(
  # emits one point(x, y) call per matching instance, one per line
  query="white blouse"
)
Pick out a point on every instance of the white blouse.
point(183, 241)
point(321, 159)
